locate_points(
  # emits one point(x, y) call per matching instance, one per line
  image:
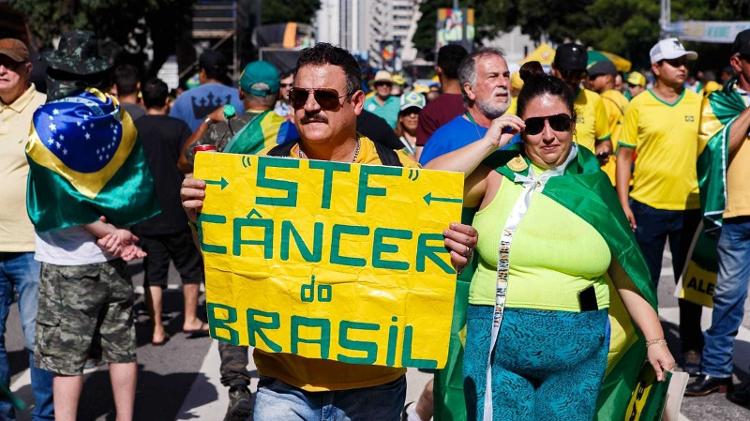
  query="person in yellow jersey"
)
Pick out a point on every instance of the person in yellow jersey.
point(592, 129)
point(326, 100)
point(661, 126)
point(602, 81)
point(636, 84)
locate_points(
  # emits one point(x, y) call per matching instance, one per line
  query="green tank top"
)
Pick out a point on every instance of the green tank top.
point(554, 255)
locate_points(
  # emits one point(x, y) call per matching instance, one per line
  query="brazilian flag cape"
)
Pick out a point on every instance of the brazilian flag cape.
point(86, 161)
point(265, 130)
point(720, 109)
point(586, 191)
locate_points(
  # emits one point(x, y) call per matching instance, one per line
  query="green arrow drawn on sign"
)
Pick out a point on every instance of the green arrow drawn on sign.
point(429, 198)
point(223, 182)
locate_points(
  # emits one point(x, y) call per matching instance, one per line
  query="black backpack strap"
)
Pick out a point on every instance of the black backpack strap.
point(388, 156)
point(282, 150)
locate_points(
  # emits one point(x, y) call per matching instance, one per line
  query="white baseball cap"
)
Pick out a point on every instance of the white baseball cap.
point(670, 48)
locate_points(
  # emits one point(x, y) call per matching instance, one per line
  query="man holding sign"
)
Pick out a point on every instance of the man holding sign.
point(343, 383)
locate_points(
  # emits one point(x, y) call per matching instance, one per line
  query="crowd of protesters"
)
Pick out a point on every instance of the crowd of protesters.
point(643, 133)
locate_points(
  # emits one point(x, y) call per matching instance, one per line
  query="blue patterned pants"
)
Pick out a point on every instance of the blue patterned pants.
point(547, 365)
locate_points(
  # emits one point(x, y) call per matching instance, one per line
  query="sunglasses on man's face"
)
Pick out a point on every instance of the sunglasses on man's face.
point(677, 62)
point(327, 98)
point(558, 122)
point(285, 85)
point(377, 84)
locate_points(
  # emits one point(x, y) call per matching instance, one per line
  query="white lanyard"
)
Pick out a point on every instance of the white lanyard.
point(531, 183)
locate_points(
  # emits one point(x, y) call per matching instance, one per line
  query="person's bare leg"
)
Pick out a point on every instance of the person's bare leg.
point(66, 391)
point(425, 404)
point(190, 293)
point(123, 377)
point(154, 305)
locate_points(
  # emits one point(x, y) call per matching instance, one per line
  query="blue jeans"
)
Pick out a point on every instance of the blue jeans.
point(19, 274)
point(655, 227)
point(279, 401)
point(729, 296)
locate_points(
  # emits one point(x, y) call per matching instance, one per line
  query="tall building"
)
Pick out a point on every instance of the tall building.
point(367, 27)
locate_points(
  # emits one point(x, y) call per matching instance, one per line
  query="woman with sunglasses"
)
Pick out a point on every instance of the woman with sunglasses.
point(555, 253)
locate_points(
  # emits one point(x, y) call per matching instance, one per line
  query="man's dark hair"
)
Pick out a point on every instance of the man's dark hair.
point(155, 93)
point(126, 79)
point(287, 73)
point(325, 53)
point(449, 58)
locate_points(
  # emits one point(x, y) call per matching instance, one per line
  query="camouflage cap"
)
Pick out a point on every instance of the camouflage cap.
point(77, 53)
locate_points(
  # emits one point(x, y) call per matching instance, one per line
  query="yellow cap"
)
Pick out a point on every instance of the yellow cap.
point(635, 78)
point(398, 79)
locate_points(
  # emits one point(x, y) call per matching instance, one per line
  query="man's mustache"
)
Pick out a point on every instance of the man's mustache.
point(314, 118)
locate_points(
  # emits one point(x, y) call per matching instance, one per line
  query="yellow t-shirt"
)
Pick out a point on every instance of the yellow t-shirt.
point(513, 107)
point(591, 119)
point(16, 230)
point(615, 103)
point(554, 255)
point(665, 137)
point(316, 375)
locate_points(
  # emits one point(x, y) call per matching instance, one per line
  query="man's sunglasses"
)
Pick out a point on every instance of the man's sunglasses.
point(327, 98)
point(677, 62)
point(558, 122)
point(286, 85)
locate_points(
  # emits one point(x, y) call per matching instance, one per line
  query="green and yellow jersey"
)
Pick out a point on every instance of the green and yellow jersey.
point(591, 120)
point(665, 137)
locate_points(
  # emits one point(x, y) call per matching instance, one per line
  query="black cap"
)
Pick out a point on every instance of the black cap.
point(570, 57)
point(604, 67)
point(213, 62)
point(741, 44)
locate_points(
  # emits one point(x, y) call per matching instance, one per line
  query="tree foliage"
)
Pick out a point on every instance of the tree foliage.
point(625, 27)
point(278, 11)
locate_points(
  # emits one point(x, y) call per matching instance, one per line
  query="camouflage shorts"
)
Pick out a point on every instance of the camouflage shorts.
point(83, 308)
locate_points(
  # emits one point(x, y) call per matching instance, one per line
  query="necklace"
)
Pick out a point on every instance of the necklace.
point(476, 125)
point(301, 154)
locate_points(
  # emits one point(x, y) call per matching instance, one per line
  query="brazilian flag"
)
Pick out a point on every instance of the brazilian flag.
point(86, 161)
point(720, 109)
point(265, 130)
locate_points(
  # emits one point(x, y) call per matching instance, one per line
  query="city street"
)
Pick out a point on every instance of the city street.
point(180, 380)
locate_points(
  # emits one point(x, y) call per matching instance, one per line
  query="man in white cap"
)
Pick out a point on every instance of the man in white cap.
point(661, 126)
point(382, 103)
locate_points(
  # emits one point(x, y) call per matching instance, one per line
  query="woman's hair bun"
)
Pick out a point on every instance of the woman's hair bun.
point(529, 70)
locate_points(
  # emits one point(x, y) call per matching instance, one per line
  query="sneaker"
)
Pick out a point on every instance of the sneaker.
point(692, 363)
point(240, 404)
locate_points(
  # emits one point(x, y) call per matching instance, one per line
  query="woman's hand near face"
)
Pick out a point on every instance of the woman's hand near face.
point(503, 129)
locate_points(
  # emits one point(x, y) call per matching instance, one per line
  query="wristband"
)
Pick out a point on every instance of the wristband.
point(207, 121)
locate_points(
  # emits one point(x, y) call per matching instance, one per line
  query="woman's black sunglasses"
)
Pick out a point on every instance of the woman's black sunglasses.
point(558, 122)
point(327, 98)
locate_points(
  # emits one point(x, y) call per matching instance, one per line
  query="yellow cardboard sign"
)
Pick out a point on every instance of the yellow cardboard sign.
point(329, 260)
point(697, 285)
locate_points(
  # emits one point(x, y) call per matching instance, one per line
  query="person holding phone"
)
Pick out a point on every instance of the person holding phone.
point(555, 252)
